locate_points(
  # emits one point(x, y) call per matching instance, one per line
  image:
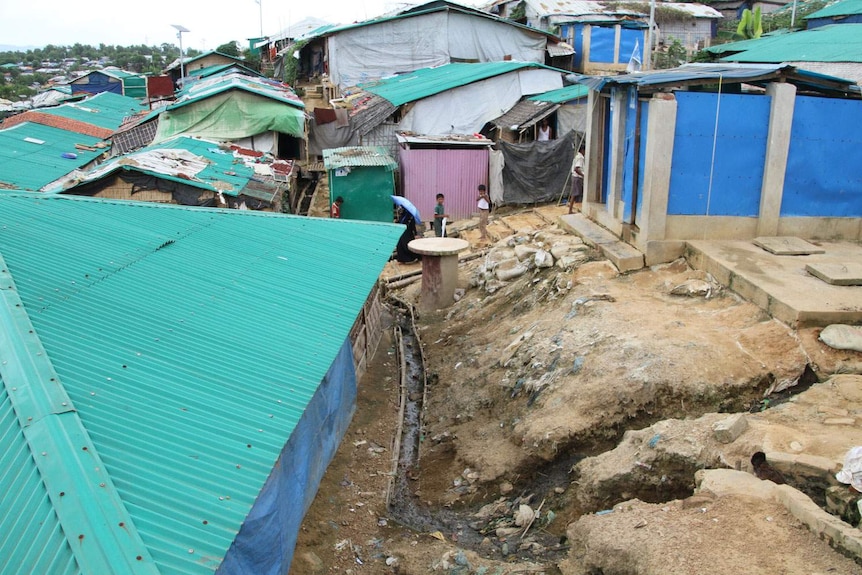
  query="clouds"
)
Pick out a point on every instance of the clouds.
point(210, 22)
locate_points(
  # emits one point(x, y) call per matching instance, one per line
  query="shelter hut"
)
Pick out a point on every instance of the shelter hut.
point(723, 151)
point(187, 171)
point(365, 178)
point(452, 165)
point(199, 62)
point(111, 80)
point(141, 438)
point(843, 12)
point(428, 35)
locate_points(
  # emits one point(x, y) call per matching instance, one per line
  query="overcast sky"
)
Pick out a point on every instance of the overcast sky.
point(210, 22)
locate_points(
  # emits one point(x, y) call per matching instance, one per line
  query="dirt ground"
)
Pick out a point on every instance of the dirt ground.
point(529, 376)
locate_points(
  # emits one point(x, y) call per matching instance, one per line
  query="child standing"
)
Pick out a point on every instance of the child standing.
point(484, 206)
point(440, 216)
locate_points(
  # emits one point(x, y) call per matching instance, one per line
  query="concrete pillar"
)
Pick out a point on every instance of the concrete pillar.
point(595, 137)
point(661, 126)
point(439, 270)
point(783, 100)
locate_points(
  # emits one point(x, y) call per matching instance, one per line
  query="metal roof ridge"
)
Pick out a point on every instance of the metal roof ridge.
point(95, 522)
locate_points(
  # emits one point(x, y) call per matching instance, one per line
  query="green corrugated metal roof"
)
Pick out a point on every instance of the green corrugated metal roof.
point(219, 68)
point(844, 8)
point(335, 158)
point(221, 174)
point(429, 81)
point(561, 95)
point(105, 110)
point(29, 165)
point(223, 82)
point(32, 540)
point(832, 43)
point(186, 344)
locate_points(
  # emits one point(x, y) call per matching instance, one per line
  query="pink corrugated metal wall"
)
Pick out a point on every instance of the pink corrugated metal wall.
point(454, 173)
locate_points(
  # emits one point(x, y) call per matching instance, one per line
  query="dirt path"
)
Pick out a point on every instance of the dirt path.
point(531, 375)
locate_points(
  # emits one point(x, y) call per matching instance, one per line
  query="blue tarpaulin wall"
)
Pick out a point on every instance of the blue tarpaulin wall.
point(735, 166)
point(824, 164)
point(629, 154)
point(602, 45)
point(266, 540)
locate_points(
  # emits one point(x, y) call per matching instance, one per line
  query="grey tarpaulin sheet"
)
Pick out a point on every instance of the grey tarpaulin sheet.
point(536, 171)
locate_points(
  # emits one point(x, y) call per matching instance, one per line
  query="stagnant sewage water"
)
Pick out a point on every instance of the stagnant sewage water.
point(460, 526)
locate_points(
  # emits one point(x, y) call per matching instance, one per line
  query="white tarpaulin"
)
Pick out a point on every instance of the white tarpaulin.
point(448, 112)
point(387, 48)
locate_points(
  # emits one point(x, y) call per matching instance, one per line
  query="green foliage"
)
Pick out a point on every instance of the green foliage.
point(229, 49)
point(291, 64)
point(672, 56)
point(781, 19)
point(750, 25)
point(520, 12)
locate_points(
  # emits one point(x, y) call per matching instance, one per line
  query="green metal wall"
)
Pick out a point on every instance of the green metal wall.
point(366, 191)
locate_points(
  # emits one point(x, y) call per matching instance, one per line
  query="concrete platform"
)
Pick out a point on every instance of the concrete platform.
point(780, 284)
point(621, 254)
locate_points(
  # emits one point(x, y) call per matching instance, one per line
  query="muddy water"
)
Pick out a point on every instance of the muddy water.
point(459, 526)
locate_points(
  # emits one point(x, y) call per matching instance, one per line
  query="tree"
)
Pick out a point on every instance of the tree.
point(230, 49)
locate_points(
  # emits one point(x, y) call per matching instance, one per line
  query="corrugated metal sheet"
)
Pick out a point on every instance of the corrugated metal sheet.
point(334, 158)
point(189, 341)
point(843, 8)
point(710, 73)
point(524, 114)
point(27, 164)
point(562, 95)
point(832, 43)
point(429, 81)
point(455, 173)
point(31, 540)
point(105, 110)
point(220, 171)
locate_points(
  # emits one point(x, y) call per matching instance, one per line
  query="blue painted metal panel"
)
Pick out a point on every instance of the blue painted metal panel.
point(733, 159)
point(629, 153)
point(602, 44)
point(823, 175)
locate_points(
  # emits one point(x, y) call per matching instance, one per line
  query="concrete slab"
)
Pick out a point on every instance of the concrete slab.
point(781, 285)
point(849, 274)
point(621, 254)
point(787, 246)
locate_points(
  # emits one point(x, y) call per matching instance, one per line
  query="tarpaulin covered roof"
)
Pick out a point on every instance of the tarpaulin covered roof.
point(694, 74)
point(156, 361)
point(232, 107)
point(32, 155)
point(843, 8)
point(431, 7)
point(429, 81)
point(190, 161)
point(222, 82)
point(831, 43)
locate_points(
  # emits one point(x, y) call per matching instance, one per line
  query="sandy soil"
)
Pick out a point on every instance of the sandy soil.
point(547, 369)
